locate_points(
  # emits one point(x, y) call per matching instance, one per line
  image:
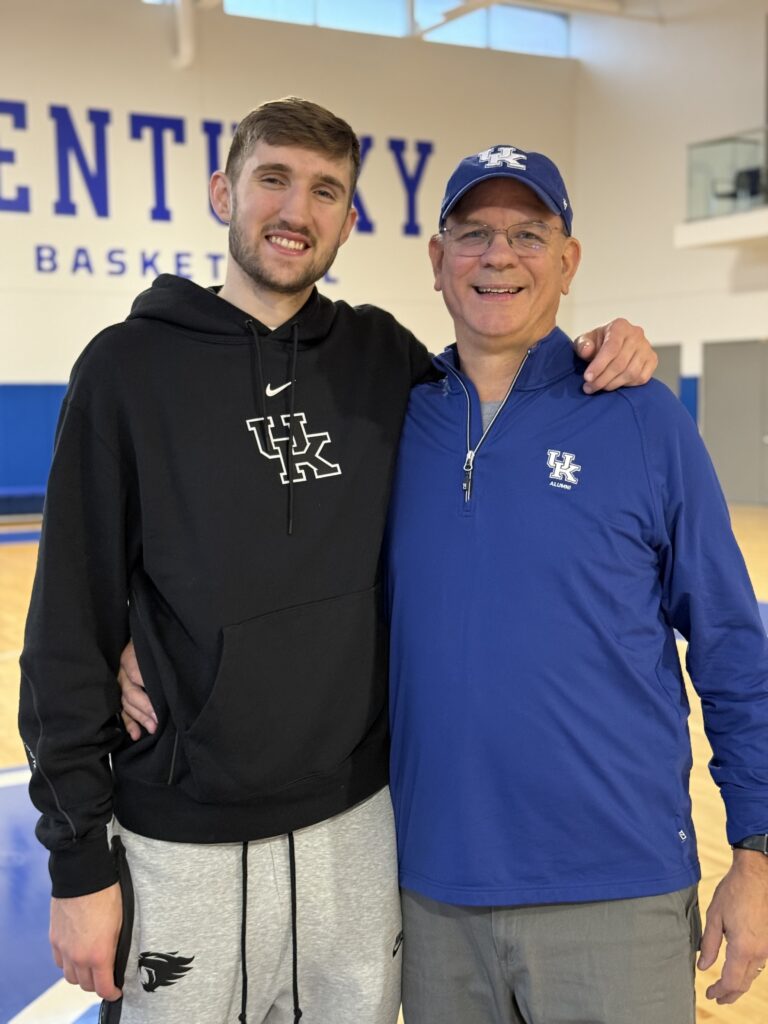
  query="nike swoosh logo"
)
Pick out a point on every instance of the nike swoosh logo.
point(271, 392)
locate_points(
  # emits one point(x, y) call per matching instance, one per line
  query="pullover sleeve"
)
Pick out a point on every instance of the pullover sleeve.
point(76, 628)
point(708, 597)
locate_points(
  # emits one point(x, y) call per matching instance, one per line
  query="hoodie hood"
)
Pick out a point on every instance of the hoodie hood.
point(549, 359)
point(181, 303)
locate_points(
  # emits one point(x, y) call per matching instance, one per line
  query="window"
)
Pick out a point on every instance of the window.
point(388, 19)
point(527, 31)
point(497, 27)
point(299, 12)
point(469, 30)
point(384, 19)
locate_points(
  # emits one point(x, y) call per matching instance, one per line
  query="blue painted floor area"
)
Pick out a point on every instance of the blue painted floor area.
point(26, 965)
point(89, 1017)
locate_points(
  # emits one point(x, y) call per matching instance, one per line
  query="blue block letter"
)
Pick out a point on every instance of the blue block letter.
point(158, 126)
point(215, 260)
point(182, 268)
point(68, 144)
point(149, 262)
point(82, 260)
point(364, 223)
point(18, 114)
point(411, 181)
point(116, 261)
point(45, 259)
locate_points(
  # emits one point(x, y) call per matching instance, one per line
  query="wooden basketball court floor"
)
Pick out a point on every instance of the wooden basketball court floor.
point(30, 989)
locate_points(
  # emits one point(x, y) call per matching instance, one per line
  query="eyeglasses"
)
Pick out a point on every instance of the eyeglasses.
point(528, 239)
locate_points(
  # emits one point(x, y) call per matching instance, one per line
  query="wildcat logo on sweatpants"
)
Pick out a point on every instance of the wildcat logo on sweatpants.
point(158, 970)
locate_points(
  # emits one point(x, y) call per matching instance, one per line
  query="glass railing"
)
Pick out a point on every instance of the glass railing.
point(728, 175)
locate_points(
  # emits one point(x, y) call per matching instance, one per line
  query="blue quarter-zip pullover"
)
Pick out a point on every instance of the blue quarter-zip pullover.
point(540, 748)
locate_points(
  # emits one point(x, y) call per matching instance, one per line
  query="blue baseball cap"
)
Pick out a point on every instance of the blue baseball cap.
point(532, 169)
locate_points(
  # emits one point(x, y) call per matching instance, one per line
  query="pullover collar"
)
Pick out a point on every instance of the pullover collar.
point(549, 359)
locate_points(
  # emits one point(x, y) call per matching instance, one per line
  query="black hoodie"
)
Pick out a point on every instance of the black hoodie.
point(249, 585)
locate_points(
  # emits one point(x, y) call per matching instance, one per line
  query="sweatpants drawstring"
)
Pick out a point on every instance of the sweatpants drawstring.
point(243, 920)
point(297, 1014)
point(292, 861)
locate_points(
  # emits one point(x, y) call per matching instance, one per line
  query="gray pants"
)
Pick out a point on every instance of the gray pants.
point(185, 966)
point(613, 962)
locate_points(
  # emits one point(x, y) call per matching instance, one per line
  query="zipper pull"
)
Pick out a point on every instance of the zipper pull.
point(467, 484)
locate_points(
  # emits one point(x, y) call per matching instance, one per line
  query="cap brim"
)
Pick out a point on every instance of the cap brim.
point(548, 201)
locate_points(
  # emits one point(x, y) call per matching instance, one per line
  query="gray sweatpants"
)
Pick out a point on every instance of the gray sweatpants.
point(612, 962)
point(185, 966)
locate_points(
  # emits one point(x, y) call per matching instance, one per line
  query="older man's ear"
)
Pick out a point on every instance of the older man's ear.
point(570, 259)
point(436, 253)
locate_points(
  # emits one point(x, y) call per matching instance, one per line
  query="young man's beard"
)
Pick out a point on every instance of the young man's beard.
point(246, 257)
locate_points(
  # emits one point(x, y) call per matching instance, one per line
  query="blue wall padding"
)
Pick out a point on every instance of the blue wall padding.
point(689, 395)
point(28, 415)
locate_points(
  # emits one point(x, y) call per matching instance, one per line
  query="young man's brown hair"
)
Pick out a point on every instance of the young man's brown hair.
point(294, 121)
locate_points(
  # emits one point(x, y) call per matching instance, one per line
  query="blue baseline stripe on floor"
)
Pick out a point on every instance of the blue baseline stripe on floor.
point(22, 537)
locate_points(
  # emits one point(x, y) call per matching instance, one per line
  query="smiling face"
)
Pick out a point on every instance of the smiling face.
point(289, 210)
point(500, 300)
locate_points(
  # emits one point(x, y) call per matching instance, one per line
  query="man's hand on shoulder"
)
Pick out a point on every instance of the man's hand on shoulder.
point(738, 912)
point(84, 933)
point(619, 355)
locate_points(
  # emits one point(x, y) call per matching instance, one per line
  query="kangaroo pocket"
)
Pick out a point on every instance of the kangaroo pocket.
point(297, 690)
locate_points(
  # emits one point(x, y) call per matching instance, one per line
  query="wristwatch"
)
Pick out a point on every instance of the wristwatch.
point(759, 843)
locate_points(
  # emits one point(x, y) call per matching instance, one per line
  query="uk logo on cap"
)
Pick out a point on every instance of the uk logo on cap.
point(503, 156)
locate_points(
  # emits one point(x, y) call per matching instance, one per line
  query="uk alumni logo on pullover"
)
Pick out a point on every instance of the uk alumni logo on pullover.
point(564, 469)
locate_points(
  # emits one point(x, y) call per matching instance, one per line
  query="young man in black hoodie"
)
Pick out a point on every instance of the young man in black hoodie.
point(218, 492)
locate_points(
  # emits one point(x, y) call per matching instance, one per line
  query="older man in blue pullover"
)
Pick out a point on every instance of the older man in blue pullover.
point(543, 548)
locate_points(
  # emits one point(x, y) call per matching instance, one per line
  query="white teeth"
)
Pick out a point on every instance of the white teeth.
point(286, 243)
point(498, 291)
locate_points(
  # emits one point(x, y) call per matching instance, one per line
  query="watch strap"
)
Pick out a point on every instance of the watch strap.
point(759, 843)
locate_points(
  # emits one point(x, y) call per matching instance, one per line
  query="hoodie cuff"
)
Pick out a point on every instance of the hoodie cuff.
point(82, 868)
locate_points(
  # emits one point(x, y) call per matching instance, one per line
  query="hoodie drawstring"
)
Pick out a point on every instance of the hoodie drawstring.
point(257, 384)
point(243, 920)
point(257, 379)
point(292, 378)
